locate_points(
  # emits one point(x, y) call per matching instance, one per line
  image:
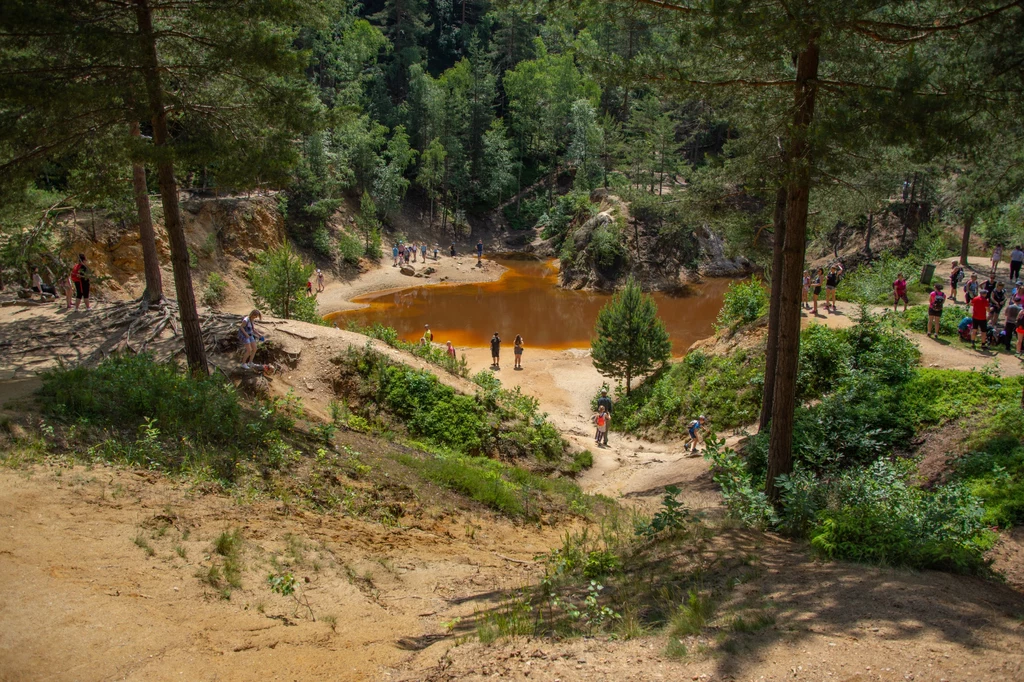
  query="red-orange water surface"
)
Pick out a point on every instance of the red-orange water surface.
point(526, 300)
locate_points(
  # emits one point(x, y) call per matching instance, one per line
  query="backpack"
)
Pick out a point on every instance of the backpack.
point(600, 419)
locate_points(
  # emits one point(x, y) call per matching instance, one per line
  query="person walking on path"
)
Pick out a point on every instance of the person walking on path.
point(817, 282)
point(979, 320)
point(935, 303)
point(248, 337)
point(496, 351)
point(605, 402)
point(831, 282)
point(479, 251)
point(394, 256)
point(423, 252)
point(693, 433)
point(1010, 326)
point(971, 289)
point(601, 420)
point(80, 279)
point(517, 349)
point(899, 292)
point(1016, 260)
point(320, 280)
point(956, 275)
point(997, 255)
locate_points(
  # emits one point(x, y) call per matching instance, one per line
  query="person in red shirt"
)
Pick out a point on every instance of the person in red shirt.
point(979, 320)
point(935, 303)
point(899, 291)
point(80, 280)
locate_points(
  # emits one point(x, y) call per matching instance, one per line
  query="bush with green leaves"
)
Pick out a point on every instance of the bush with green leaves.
point(350, 249)
point(743, 303)
point(320, 242)
point(916, 318)
point(495, 421)
point(213, 292)
point(278, 279)
point(433, 354)
point(872, 283)
point(176, 415)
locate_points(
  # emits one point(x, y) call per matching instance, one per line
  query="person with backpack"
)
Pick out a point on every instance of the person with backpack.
point(935, 302)
point(1010, 324)
point(601, 420)
point(693, 433)
point(996, 301)
point(517, 350)
point(971, 289)
point(80, 280)
point(956, 275)
point(605, 402)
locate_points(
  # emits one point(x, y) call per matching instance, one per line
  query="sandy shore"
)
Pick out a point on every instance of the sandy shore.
point(338, 294)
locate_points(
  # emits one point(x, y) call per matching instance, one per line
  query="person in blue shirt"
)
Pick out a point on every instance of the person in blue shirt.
point(479, 251)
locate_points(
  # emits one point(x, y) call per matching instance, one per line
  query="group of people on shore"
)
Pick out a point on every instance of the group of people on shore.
point(74, 283)
point(406, 253)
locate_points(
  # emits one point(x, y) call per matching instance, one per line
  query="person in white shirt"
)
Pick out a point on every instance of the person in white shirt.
point(997, 255)
point(1016, 259)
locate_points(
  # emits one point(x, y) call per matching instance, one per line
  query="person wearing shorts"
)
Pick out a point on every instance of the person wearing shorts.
point(601, 420)
point(517, 348)
point(1016, 260)
point(831, 282)
point(935, 302)
point(807, 290)
point(979, 320)
point(80, 280)
point(956, 275)
point(394, 256)
point(496, 351)
point(693, 434)
point(971, 289)
point(319, 280)
point(899, 292)
point(1010, 324)
point(997, 255)
point(248, 337)
point(819, 276)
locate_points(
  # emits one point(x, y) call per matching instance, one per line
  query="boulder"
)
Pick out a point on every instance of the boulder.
point(408, 271)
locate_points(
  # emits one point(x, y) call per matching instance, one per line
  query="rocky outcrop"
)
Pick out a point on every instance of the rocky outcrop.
point(714, 262)
point(221, 232)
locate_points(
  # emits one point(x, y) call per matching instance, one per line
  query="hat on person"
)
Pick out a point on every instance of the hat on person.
point(703, 418)
point(604, 391)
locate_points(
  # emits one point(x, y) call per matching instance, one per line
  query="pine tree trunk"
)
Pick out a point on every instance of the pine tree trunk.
point(772, 350)
point(147, 238)
point(965, 241)
point(191, 331)
point(780, 445)
point(867, 237)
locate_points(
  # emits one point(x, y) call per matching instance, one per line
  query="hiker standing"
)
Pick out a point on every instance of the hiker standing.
point(899, 292)
point(479, 251)
point(831, 282)
point(1016, 260)
point(979, 320)
point(80, 279)
point(423, 252)
point(1010, 326)
point(451, 250)
point(319, 280)
point(956, 275)
point(935, 303)
point(971, 289)
point(496, 351)
point(449, 350)
point(605, 402)
point(817, 282)
point(997, 255)
point(807, 290)
point(517, 350)
point(601, 420)
point(428, 336)
point(394, 256)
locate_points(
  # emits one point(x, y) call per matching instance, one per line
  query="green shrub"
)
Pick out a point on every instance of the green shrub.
point(524, 214)
point(320, 242)
point(872, 283)
point(350, 248)
point(916, 319)
point(743, 303)
point(171, 415)
point(213, 292)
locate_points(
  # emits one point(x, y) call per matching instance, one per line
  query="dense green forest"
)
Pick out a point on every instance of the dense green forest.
point(778, 123)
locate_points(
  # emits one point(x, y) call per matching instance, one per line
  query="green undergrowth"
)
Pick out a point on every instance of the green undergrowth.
point(916, 319)
point(495, 422)
point(743, 303)
point(872, 283)
point(632, 575)
point(432, 353)
point(510, 490)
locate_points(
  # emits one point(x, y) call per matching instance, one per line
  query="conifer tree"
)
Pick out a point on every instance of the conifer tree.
point(630, 339)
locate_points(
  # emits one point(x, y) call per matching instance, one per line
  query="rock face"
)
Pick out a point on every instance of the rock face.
point(218, 231)
point(714, 262)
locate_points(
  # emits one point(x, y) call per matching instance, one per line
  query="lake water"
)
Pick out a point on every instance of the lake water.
point(526, 300)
